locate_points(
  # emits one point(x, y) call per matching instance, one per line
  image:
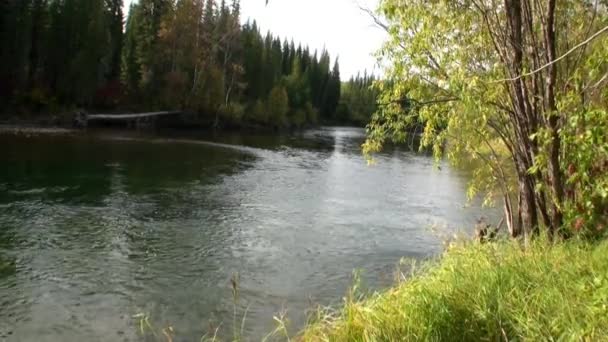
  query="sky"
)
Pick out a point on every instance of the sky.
point(338, 25)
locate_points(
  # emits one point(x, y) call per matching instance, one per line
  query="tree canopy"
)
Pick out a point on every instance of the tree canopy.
point(192, 55)
point(517, 89)
point(358, 100)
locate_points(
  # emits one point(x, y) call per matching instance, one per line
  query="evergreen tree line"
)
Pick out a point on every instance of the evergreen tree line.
point(61, 51)
point(191, 55)
point(358, 100)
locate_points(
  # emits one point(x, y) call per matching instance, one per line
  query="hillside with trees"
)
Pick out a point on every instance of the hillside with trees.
point(191, 55)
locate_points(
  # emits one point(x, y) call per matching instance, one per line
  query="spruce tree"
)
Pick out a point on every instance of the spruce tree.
point(193, 54)
point(130, 66)
point(116, 21)
point(14, 45)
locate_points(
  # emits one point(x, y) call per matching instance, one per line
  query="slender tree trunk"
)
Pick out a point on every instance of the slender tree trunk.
point(514, 231)
point(541, 203)
point(519, 224)
point(527, 205)
point(529, 216)
point(525, 116)
point(554, 170)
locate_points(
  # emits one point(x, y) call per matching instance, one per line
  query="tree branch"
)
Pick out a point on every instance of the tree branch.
point(418, 103)
point(585, 42)
point(374, 17)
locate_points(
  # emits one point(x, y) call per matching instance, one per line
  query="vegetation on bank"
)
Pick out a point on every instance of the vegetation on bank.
point(494, 291)
point(517, 91)
point(190, 55)
point(485, 292)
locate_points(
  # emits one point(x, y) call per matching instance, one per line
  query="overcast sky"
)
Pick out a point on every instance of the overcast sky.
point(338, 25)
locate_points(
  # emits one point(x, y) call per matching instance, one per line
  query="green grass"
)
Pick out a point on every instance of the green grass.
point(491, 292)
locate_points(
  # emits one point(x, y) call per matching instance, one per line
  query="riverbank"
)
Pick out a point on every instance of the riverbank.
point(29, 130)
point(65, 124)
point(491, 292)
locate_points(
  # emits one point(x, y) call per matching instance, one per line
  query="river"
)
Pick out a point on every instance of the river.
point(98, 227)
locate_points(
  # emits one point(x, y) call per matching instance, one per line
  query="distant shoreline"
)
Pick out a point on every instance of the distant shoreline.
point(34, 129)
point(61, 125)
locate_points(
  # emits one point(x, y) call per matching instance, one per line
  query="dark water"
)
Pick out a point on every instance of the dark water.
point(97, 228)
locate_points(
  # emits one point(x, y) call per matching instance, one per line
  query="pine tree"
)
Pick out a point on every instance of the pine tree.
point(130, 67)
point(193, 54)
point(38, 18)
point(209, 24)
point(14, 46)
point(286, 59)
point(276, 59)
point(331, 97)
point(116, 21)
point(150, 15)
point(357, 100)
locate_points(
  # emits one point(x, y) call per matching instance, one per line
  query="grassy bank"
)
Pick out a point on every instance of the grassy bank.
point(492, 292)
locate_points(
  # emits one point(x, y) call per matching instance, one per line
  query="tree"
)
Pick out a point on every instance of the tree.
point(15, 25)
point(92, 62)
point(357, 100)
point(37, 30)
point(180, 50)
point(278, 106)
point(331, 95)
point(487, 83)
point(151, 13)
point(116, 22)
point(286, 59)
point(321, 79)
point(209, 23)
point(297, 87)
point(77, 56)
point(192, 55)
point(230, 48)
point(130, 68)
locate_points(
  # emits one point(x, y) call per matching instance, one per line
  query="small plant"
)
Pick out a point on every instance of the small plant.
point(237, 334)
point(281, 329)
point(150, 332)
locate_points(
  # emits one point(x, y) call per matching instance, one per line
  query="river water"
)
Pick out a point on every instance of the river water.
point(96, 228)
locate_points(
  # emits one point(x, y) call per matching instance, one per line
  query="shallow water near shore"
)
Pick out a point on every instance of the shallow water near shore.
point(97, 227)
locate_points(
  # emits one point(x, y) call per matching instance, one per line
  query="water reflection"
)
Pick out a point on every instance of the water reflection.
point(102, 226)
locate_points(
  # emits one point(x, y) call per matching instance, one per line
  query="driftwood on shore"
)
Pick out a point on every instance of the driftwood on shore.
point(130, 116)
point(26, 130)
point(82, 118)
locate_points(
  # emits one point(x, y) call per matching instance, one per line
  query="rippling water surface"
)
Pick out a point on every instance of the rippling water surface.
point(95, 228)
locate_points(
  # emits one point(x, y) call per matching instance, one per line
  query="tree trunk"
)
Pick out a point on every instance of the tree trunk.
point(514, 231)
point(554, 170)
point(527, 205)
